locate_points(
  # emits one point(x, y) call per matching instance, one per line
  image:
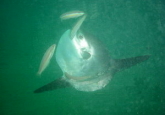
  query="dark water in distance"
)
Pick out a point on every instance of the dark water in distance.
point(127, 28)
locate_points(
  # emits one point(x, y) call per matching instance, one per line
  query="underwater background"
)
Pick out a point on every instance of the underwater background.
point(128, 28)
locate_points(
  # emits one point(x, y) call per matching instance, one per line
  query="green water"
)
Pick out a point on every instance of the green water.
point(127, 28)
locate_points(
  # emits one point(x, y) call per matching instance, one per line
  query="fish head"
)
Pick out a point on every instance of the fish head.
point(81, 57)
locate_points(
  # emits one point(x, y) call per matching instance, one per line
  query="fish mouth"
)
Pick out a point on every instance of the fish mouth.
point(76, 78)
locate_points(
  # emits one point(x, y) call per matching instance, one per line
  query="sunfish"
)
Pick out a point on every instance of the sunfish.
point(86, 63)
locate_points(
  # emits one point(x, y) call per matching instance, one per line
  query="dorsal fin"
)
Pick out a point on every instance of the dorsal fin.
point(120, 64)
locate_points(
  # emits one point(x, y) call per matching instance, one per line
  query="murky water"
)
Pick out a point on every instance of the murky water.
point(127, 28)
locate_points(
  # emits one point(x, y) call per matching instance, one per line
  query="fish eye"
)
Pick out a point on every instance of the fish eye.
point(80, 36)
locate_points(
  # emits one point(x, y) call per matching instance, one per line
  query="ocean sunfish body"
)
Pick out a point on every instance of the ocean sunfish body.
point(86, 63)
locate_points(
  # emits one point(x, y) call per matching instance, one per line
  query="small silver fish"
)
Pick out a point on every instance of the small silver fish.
point(71, 14)
point(46, 59)
point(77, 26)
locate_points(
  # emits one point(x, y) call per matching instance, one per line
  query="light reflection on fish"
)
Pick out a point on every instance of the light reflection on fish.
point(46, 59)
point(71, 14)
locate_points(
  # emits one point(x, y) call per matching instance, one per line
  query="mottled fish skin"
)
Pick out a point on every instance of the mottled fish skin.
point(77, 26)
point(71, 14)
point(46, 59)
